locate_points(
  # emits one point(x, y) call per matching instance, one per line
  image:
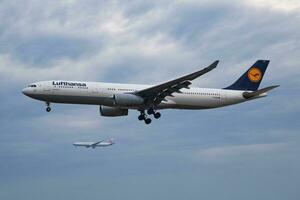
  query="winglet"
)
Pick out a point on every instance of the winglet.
point(215, 63)
point(201, 72)
point(212, 66)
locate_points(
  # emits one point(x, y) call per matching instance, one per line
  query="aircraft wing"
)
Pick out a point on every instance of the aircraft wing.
point(156, 94)
point(95, 143)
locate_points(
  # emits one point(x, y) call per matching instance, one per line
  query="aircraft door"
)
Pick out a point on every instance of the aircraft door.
point(47, 89)
point(95, 91)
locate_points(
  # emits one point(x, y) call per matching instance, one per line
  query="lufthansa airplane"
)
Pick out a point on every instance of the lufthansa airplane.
point(93, 145)
point(116, 99)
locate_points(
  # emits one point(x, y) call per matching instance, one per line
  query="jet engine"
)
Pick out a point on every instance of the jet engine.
point(112, 112)
point(128, 100)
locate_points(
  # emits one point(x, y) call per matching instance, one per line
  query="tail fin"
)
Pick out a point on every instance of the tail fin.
point(251, 79)
point(111, 141)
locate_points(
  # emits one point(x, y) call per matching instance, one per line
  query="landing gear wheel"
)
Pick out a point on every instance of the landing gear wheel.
point(141, 117)
point(48, 109)
point(157, 115)
point(150, 111)
point(148, 121)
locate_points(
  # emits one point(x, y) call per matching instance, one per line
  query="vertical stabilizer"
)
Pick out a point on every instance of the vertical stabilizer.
point(251, 79)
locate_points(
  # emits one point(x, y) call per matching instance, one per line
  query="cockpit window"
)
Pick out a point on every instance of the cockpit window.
point(32, 85)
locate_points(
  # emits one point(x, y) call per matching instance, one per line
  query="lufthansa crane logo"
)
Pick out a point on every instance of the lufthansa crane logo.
point(254, 74)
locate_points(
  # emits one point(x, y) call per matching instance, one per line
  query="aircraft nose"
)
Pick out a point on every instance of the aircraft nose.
point(25, 91)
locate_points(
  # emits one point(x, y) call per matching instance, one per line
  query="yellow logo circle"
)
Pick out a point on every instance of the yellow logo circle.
point(254, 74)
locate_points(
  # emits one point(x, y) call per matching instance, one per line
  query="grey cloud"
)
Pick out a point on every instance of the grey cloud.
point(148, 42)
point(172, 35)
point(40, 51)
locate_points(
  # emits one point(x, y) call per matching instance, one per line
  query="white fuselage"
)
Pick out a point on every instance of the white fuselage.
point(97, 93)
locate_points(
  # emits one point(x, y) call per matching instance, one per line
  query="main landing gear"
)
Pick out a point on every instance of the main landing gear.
point(150, 111)
point(48, 108)
point(143, 116)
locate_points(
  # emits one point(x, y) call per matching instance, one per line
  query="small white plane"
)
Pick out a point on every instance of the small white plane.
point(115, 99)
point(93, 145)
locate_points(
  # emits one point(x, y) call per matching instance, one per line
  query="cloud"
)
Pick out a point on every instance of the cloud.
point(234, 152)
point(67, 121)
point(94, 40)
point(148, 42)
point(74, 40)
point(277, 5)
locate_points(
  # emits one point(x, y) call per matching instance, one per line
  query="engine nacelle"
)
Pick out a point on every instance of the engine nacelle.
point(128, 100)
point(112, 112)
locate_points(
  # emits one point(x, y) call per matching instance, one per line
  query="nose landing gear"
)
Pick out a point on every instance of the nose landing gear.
point(48, 108)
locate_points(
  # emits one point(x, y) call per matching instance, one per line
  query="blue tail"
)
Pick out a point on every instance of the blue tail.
point(251, 79)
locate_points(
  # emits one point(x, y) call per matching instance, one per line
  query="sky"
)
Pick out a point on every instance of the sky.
point(246, 151)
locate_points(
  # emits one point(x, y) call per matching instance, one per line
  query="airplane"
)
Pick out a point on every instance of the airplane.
point(116, 99)
point(93, 145)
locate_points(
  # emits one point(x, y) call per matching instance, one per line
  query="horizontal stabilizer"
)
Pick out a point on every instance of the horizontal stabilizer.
point(256, 93)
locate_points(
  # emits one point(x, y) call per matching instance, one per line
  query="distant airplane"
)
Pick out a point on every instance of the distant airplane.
point(115, 99)
point(93, 145)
